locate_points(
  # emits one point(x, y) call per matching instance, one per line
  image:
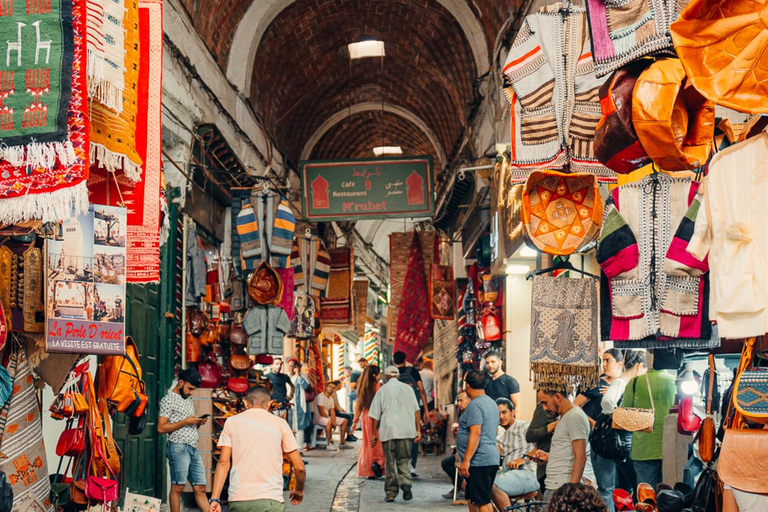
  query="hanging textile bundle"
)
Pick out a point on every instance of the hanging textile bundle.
point(106, 53)
point(722, 45)
point(561, 212)
point(564, 320)
point(336, 307)
point(674, 122)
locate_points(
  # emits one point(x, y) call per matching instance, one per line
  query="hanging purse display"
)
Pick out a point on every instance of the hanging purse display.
point(240, 362)
point(562, 212)
point(72, 441)
point(265, 286)
point(707, 441)
point(192, 348)
point(197, 321)
point(210, 372)
point(751, 387)
point(238, 385)
point(634, 419)
point(236, 293)
point(442, 292)
point(237, 334)
point(687, 420)
point(491, 325)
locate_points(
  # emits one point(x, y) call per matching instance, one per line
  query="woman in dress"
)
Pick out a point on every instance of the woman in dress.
point(370, 460)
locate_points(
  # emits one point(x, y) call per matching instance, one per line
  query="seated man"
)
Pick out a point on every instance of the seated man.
point(341, 413)
point(326, 417)
point(518, 475)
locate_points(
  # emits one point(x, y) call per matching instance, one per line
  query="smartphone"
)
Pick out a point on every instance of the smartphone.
point(204, 416)
point(534, 459)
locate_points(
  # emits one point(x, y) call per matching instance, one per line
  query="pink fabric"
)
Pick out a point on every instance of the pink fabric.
point(624, 260)
point(677, 252)
point(286, 276)
point(620, 328)
point(368, 455)
point(601, 37)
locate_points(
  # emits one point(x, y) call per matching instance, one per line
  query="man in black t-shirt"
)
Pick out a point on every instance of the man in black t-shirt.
point(279, 382)
point(411, 376)
point(499, 384)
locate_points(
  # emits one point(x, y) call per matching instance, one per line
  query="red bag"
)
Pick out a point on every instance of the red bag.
point(101, 490)
point(238, 385)
point(442, 292)
point(687, 421)
point(491, 325)
point(311, 394)
point(72, 440)
point(210, 372)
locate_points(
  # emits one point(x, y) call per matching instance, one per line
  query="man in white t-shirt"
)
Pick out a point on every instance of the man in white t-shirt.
point(252, 445)
point(326, 417)
point(428, 378)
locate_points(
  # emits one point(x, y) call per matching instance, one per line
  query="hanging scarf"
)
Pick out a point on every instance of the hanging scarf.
point(106, 57)
point(26, 466)
point(564, 319)
point(43, 160)
point(113, 136)
point(414, 323)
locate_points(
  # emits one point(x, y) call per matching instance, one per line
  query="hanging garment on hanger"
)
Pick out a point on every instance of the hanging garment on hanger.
point(731, 230)
point(265, 226)
point(312, 266)
point(551, 85)
point(197, 268)
point(658, 292)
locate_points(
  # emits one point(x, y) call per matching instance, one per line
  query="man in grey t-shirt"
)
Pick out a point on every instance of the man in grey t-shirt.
point(568, 459)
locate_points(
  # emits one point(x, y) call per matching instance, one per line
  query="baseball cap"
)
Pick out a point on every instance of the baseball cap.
point(192, 376)
point(392, 370)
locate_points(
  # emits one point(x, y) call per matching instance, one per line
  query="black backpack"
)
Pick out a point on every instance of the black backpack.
point(608, 442)
point(406, 377)
point(6, 494)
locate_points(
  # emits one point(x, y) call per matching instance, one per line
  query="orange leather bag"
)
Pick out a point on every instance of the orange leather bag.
point(120, 378)
point(707, 443)
point(265, 286)
point(673, 121)
point(722, 45)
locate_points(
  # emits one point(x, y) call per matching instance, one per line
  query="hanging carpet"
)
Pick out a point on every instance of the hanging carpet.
point(414, 323)
point(43, 114)
point(144, 198)
point(336, 308)
point(25, 465)
point(106, 52)
point(361, 305)
point(564, 320)
point(113, 135)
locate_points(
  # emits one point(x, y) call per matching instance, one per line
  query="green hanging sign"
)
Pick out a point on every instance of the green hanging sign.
point(368, 189)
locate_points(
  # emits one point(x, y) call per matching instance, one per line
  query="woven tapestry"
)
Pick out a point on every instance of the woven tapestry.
point(414, 323)
point(106, 52)
point(361, 305)
point(337, 305)
point(113, 136)
point(399, 250)
point(44, 179)
point(287, 302)
point(143, 198)
point(25, 463)
point(564, 321)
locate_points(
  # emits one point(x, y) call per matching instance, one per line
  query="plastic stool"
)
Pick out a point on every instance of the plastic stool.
point(316, 429)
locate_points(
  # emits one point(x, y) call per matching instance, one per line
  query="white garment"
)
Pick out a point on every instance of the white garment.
point(428, 379)
point(612, 396)
point(730, 227)
point(395, 405)
point(326, 402)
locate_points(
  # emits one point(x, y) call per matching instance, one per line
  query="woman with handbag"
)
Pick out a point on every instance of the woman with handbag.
point(370, 459)
point(653, 394)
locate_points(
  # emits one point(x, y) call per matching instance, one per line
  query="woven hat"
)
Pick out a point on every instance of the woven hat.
point(265, 286)
point(673, 121)
point(616, 144)
point(561, 212)
point(722, 45)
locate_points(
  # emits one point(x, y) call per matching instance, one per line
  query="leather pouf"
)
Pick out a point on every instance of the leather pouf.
point(674, 122)
point(265, 286)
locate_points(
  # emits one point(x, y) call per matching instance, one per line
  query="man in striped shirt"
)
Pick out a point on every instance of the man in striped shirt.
point(518, 474)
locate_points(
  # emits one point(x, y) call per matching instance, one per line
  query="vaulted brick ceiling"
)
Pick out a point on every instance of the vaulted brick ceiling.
point(302, 74)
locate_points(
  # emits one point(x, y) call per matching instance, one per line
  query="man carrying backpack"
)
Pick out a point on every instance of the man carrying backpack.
point(411, 376)
point(177, 419)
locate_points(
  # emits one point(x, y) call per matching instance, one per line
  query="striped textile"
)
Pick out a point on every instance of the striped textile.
point(337, 306)
point(312, 265)
point(106, 57)
point(267, 228)
point(371, 347)
point(25, 465)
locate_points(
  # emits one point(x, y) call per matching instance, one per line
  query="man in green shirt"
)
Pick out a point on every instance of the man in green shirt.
point(646, 451)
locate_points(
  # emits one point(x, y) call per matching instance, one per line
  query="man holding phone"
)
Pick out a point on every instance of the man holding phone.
point(177, 419)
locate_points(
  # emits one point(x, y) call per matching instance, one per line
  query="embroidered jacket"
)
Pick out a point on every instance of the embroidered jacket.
point(625, 31)
point(312, 266)
point(265, 231)
point(657, 290)
point(550, 83)
point(266, 327)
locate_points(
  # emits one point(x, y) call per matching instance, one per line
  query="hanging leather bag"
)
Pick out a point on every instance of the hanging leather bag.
point(101, 489)
point(491, 325)
point(236, 293)
point(265, 286)
point(120, 377)
point(742, 463)
point(634, 419)
point(192, 348)
point(197, 321)
point(238, 385)
point(72, 441)
point(210, 372)
point(687, 420)
point(751, 388)
point(237, 334)
point(707, 442)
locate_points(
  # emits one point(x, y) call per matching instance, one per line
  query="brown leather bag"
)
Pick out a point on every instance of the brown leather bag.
point(265, 286)
point(223, 331)
point(240, 362)
point(707, 442)
point(120, 377)
point(743, 463)
point(237, 334)
point(210, 335)
point(192, 348)
point(197, 321)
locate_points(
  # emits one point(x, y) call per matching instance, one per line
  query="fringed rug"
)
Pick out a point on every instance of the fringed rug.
point(106, 52)
point(361, 305)
point(414, 323)
point(47, 103)
point(399, 251)
point(287, 302)
point(113, 136)
point(25, 465)
point(564, 322)
point(337, 306)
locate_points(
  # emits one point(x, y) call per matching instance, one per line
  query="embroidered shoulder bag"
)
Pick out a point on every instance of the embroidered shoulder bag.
point(751, 388)
point(635, 419)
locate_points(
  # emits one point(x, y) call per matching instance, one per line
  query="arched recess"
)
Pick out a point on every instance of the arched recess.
point(262, 13)
point(367, 106)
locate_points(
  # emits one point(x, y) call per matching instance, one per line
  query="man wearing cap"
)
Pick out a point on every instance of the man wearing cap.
point(396, 422)
point(177, 419)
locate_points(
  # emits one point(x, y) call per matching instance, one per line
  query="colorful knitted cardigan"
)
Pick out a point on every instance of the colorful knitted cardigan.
point(266, 231)
point(550, 82)
point(658, 292)
point(312, 265)
point(625, 31)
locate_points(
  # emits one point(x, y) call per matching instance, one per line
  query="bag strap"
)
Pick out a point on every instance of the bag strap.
point(711, 389)
point(650, 394)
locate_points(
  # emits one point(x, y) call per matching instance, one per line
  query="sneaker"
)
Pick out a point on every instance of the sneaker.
point(448, 495)
point(407, 494)
point(345, 446)
point(351, 438)
point(331, 447)
point(414, 473)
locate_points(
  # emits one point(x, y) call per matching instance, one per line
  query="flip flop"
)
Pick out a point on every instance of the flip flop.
point(389, 500)
point(623, 500)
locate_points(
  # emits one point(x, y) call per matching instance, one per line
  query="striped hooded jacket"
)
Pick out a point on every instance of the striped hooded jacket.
point(265, 226)
point(312, 266)
point(658, 292)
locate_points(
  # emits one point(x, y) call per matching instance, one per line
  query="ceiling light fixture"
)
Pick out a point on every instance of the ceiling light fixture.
point(363, 49)
point(387, 150)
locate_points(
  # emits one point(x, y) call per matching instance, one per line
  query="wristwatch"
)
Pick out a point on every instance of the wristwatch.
point(214, 500)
